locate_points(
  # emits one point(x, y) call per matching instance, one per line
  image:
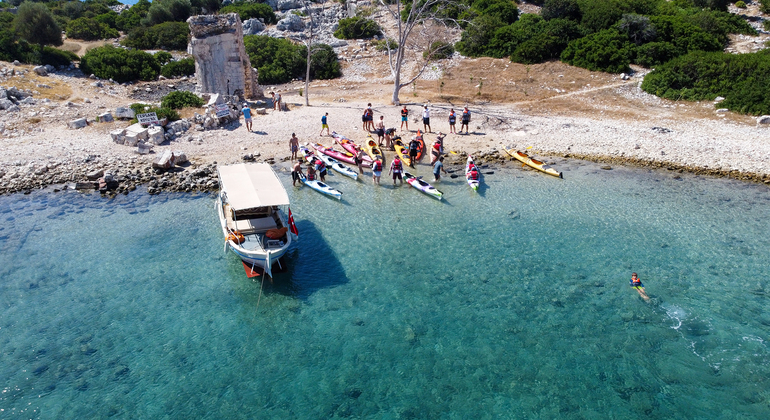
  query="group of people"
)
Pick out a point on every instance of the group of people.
point(367, 120)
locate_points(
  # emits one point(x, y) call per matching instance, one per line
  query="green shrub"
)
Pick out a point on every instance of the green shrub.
point(161, 112)
point(382, 44)
point(167, 36)
point(439, 50)
point(132, 17)
point(655, 53)
point(250, 11)
point(561, 9)
point(163, 57)
point(357, 28)
point(742, 79)
point(183, 67)
point(35, 23)
point(324, 63)
point(476, 38)
point(120, 65)
point(740, 4)
point(764, 6)
point(52, 56)
point(279, 60)
point(181, 99)
point(89, 30)
point(607, 50)
point(161, 11)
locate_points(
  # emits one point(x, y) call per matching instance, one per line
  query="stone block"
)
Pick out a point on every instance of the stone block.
point(40, 70)
point(137, 131)
point(178, 126)
point(124, 112)
point(106, 117)
point(118, 136)
point(94, 175)
point(143, 148)
point(78, 123)
point(131, 139)
point(260, 111)
point(155, 135)
point(165, 161)
point(179, 157)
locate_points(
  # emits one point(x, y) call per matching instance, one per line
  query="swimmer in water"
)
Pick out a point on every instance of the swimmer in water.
point(636, 283)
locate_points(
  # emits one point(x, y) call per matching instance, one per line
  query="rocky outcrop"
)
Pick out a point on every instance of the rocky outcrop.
point(221, 63)
point(253, 26)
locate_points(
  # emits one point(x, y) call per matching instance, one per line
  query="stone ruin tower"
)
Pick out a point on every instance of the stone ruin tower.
point(221, 63)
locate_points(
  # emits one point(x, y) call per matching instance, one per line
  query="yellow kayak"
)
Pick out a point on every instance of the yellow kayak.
point(533, 163)
point(373, 150)
point(401, 152)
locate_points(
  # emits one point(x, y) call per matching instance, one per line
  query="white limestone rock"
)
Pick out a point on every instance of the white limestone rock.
point(763, 120)
point(253, 26)
point(124, 113)
point(78, 123)
point(40, 70)
point(106, 117)
point(155, 134)
point(291, 23)
point(118, 136)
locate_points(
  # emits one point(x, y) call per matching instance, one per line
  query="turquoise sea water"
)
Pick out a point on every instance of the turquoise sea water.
point(509, 303)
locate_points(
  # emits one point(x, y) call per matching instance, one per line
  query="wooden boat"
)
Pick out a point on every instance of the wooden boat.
point(402, 152)
point(533, 163)
point(328, 151)
point(472, 173)
point(373, 150)
point(422, 186)
point(351, 147)
point(251, 205)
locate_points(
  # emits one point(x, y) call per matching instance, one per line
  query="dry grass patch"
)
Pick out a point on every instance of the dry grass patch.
point(57, 90)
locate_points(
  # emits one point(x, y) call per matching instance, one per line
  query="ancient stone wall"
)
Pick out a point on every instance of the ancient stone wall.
point(221, 63)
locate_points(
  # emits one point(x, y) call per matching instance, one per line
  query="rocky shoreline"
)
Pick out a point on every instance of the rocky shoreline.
point(126, 175)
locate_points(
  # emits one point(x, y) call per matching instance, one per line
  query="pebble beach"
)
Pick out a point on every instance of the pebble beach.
point(39, 149)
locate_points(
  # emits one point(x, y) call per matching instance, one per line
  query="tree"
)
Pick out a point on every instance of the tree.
point(35, 23)
point(410, 16)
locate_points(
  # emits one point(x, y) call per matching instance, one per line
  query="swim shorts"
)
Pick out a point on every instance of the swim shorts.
point(377, 173)
point(426, 121)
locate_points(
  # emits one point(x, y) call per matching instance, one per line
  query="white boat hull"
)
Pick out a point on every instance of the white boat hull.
point(256, 250)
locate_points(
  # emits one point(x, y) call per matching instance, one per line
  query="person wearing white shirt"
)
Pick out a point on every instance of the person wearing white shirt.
point(426, 119)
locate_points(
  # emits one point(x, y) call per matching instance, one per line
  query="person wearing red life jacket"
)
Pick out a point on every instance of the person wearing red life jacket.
point(320, 166)
point(310, 173)
point(396, 168)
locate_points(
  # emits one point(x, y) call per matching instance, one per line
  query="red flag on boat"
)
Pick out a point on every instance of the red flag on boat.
point(292, 226)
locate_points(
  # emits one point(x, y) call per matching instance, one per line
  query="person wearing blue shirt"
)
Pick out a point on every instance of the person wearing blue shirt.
point(247, 116)
point(324, 125)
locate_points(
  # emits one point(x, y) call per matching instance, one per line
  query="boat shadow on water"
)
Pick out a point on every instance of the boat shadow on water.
point(307, 267)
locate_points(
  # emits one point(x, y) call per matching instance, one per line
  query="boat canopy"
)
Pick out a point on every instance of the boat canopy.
point(252, 185)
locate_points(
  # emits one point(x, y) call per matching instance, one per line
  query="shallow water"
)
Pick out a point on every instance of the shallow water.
point(509, 303)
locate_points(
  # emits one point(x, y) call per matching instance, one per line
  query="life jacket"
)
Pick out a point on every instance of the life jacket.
point(466, 116)
point(437, 146)
point(311, 176)
point(397, 165)
point(404, 112)
point(637, 282)
point(473, 174)
point(414, 145)
point(377, 166)
point(452, 118)
point(320, 166)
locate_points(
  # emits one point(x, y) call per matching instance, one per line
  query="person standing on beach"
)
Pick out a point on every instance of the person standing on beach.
point(426, 119)
point(404, 118)
point(325, 125)
point(452, 120)
point(320, 167)
point(396, 168)
point(438, 168)
point(466, 119)
point(376, 171)
point(636, 283)
point(380, 130)
point(296, 172)
point(359, 159)
point(368, 118)
point(293, 145)
point(276, 101)
point(414, 149)
point(246, 111)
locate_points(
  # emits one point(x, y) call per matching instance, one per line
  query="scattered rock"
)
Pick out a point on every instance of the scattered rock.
point(106, 117)
point(607, 167)
point(40, 70)
point(78, 123)
point(95, 174)
point(155, 135)
point(763, 120)
point(125, 113)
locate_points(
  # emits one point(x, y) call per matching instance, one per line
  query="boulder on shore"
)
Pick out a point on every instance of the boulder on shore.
point(124, 113)
point(78, 123)
point(763, 120)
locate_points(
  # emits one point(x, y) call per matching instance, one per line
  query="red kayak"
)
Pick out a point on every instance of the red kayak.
point(328, 151)
point(351, 147)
